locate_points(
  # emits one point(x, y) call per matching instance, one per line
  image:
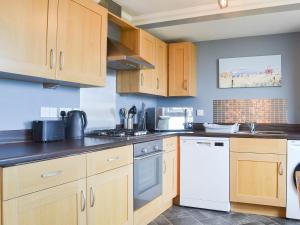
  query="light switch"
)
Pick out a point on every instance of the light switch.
point(200, 112)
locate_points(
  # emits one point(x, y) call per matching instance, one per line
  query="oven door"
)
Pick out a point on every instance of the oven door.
point(147, 178)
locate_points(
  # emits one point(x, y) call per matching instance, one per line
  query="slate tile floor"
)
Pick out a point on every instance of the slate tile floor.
point(190, 216)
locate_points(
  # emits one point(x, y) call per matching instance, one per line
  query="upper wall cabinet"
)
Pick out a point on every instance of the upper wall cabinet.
point(62, 40)
point(140, 42)
point(150, 81)
point(81, 42)
point(182, 69)
point(27, 37)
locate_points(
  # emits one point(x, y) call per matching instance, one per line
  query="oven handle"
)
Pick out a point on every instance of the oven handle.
point(149, 155)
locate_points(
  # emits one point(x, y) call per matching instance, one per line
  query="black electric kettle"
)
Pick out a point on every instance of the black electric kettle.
point(76, 122)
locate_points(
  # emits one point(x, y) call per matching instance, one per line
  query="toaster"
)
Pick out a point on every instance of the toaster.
point(48, 130)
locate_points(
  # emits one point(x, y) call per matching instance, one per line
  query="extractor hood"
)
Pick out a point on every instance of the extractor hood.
point(120, 57)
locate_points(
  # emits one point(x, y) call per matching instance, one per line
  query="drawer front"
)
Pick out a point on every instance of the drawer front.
point(98, 162)
point(170, 144)
point(258, 145)
point(29, 178)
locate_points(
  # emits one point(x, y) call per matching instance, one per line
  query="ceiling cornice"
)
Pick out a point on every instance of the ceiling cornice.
point(208, 10)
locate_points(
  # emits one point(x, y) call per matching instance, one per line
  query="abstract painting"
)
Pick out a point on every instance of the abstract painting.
point(257, 71)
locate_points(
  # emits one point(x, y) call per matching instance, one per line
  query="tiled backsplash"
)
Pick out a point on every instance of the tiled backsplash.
point(251, 110)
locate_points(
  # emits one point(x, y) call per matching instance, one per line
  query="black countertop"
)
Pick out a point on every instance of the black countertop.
point(25, 152)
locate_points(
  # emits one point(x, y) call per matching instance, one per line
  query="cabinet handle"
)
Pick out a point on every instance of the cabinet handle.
point(52, 59)
point(51, 174)
point(185, 85)
point(113, 159)
point(165, 167)
point(142, 79)
point(157, 83)
point(83, 201)
point(61, 60)
point(280, 169)
point(92, 200)
point(204, 143)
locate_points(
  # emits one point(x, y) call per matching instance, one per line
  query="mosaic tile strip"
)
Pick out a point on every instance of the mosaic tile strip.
point(250, 110)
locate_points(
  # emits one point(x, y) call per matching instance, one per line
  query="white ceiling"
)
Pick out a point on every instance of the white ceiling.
point(179, 19)
point(275, 23)
point(141, 7)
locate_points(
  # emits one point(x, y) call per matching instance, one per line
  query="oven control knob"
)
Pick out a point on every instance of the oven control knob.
point(144, 150)
point(156, 148)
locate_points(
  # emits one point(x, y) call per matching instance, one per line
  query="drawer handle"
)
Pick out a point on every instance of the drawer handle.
point(83, 201)
point(280, 169)
point(204, 143)
point(92, 200)
point(113, 159)
point(51, 174)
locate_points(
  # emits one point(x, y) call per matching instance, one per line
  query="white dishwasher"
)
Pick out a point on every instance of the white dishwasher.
point(204, 173)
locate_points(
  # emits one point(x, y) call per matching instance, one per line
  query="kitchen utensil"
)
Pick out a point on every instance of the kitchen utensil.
point(122, 113)
point(132, 111)
point(76, 122)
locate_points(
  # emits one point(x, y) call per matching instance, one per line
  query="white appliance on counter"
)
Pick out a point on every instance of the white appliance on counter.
point(204, 173)
point(293, 164)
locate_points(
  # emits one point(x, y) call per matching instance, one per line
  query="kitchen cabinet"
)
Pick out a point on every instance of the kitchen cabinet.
point(81, 42)
point(63, 41)
point(148, 81)
point(64, 204)
point(170, 169)
point(140, 42)
point(110, 197)
point(161, 68)
point(94, 188)
point(169, 175)
point(28, 37)
point(182, 69)
point(258, 175)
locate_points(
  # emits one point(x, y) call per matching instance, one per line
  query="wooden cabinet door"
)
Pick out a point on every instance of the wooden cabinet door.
point(182, 72)
point(147, 82)
point(110, 197)
point(169, 175)
point(161, 68)
point(258, 179)
point(81, 42)
point(28, 37)
point(61, 205)
point(147, 46)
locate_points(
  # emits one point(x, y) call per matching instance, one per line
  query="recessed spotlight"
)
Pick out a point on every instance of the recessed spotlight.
point(223, 3)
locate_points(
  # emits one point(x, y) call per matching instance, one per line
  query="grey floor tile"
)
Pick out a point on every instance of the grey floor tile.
point(191, 216)
point(162, 220)
point(185, 221)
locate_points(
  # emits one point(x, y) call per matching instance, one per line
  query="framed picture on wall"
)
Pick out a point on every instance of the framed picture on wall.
point(243, 72)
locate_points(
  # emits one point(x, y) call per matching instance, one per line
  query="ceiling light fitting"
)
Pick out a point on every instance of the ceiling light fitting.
point(223, 3)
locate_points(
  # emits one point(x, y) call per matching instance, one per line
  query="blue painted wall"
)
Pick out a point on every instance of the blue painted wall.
point(21, 102)
point(287, 45)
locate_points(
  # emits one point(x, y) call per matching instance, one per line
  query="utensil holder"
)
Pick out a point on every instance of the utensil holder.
point(128, 123)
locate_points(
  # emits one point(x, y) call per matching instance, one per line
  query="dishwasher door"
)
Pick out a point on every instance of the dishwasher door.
point(204, 173)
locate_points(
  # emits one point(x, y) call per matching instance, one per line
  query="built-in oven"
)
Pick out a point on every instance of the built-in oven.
point(147, 172)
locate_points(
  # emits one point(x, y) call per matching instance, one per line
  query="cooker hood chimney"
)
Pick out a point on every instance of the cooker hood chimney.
point(120, 57)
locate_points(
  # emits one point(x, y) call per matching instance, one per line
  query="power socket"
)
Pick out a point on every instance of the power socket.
point(199, 112)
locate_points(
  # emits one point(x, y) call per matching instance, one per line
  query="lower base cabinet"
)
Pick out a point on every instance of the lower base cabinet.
point(110, 197)
point(61, 205)
point(169, 175)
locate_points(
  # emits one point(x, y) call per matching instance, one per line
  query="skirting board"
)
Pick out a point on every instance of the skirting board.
point(258, 209)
